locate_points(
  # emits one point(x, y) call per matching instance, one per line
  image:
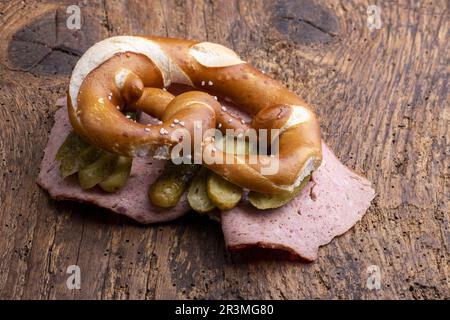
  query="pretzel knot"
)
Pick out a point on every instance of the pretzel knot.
point(132, 72)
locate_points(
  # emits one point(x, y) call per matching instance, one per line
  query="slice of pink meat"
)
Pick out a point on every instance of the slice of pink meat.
point(132, 201)
point(333, 202)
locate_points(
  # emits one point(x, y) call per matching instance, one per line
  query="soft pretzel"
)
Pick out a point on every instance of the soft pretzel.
point(133, 71)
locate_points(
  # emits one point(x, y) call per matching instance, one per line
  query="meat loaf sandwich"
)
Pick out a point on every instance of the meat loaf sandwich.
point(153, 128)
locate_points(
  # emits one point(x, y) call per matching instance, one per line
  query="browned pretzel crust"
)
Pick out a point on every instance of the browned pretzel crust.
point(133, 71)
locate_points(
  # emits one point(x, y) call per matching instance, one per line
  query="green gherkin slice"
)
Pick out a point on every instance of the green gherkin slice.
point(68, 154)
point(71, 145)
point(198, 195)
point(167, 190)
point(223, 194)
point(97, 171)
point(119, 177)
point(94, 166)
point(272, 201)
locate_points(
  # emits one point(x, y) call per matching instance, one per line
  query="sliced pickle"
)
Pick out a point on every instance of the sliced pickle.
point(93, 165)
point(88, 156)
point(224, 194)
point(97, 171)
point(71, 146)
point(167, 190)
point(73, 154)
point(118, 178)
point(272, 201)
point(198, 194)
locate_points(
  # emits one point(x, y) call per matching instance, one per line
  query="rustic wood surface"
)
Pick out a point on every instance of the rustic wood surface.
point(383, 102)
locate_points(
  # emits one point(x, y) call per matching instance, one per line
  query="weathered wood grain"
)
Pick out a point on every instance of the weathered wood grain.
point(383, 102)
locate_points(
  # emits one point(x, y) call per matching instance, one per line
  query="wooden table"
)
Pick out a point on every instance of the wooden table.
point(383, 102)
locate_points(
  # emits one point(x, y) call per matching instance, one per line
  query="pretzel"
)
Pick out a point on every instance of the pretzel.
point(133, 72)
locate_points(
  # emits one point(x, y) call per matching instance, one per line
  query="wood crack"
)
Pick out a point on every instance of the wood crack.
point(310, 23)
point(108, 25)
